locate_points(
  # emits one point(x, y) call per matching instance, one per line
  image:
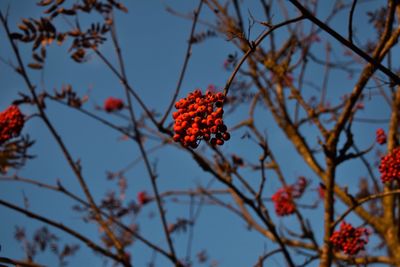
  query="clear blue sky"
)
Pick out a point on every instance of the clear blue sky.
point(153, 44)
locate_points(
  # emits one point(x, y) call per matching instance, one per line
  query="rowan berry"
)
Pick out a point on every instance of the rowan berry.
point(284, 198)
point(220, 96)
point(380, 136)
point(349, 239)
point(223, 128)
point(283, 201)
point(218, 122)
point(11, 123)
point(112, 104)
point(143, 198)
point(389, 166)
point(199, 117)
point(175, 114)
point(176, 137)
point(226, 136)
point(220, 142)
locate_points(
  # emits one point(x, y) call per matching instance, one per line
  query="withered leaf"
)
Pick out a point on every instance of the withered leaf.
point(68, 12)
point(51, 9)
point(35, 66)
point(37, 57)
point(121, 7)
point(30, 25)
point(48, 26)
point(16, 35)
point(44, 2)
point(43, 52)
point(104, 29)
point(37, 42)
point(74, 33)
point(61, 38)
point(23, 27)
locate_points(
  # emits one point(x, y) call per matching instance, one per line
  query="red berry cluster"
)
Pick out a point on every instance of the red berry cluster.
point(11, 123)
point(380, 136)
point(284, 198)
point(350, 240)
point(143, 198)
point(283, 201)
point(112, 104)
point(199, 117)
point(390, 166)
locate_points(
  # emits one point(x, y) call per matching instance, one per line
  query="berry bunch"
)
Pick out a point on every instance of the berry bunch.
point(350, 240)
point(11, 123)
point(143, 198)
point(112, 104)
point(283, 201)
point(284, 198)
point(199, 117)
point(380, 136)
point(390, 166)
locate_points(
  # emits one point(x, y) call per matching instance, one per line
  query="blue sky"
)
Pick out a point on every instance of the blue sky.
point(153, 43)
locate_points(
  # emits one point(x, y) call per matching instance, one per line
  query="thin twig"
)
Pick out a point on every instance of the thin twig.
point(353, 7)
point(62, 227)
point(253, 47)
point(185, 62)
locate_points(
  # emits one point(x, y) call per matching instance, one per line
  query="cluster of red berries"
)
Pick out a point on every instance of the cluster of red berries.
point(350, 240)
point(390, 166)
point(380, 136)
point(143, 198)
point(284, 198)
point(11, 123)
point(199, 117)
point(112, 104)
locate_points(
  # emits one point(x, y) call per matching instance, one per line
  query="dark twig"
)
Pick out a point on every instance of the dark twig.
point(62, 227)
point(345, 42)
point(74, 166)
point(185, 62)
point(353, 7)
point(139, 141)
point(253, 47)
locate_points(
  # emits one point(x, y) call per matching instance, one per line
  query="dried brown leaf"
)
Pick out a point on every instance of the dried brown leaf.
point(44, 2)
point(35, 66)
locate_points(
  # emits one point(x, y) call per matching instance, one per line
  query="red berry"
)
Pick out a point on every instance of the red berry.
point(380, 136)
point(143, 198)
point(222, 128)
point(220, 96)
point(199, 117)
point(220, 142)
point(226, 136)
point(112, 104)
point(176, 137)
point(218, 122)
point(390, 166)
point(11, 123)
point(349, 239)
point(175, 115)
